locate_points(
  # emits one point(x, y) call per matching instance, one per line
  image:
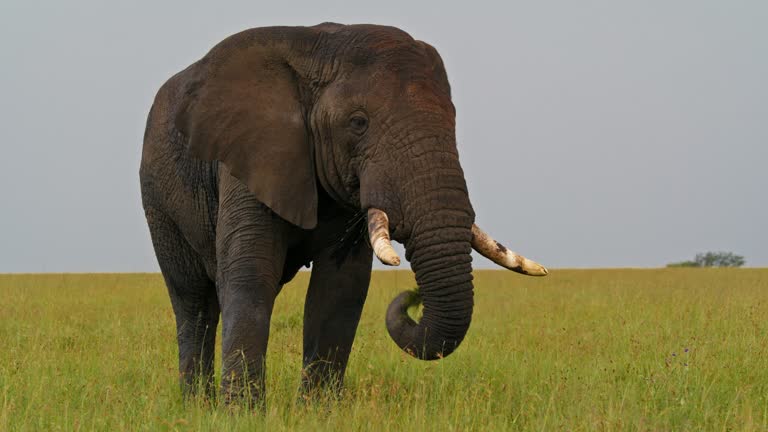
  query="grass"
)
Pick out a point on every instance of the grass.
point(668, 349)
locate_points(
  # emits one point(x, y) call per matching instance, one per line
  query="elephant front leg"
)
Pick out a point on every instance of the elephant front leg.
point(332, 311)
point(246, 313)
point(251, 250)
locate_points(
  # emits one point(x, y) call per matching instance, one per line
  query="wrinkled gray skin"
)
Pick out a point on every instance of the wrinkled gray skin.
point(255, 160)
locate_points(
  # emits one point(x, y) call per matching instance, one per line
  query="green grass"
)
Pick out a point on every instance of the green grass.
point(669, 349)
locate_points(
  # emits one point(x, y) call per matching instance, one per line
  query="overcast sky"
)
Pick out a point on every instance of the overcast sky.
point(592, 134)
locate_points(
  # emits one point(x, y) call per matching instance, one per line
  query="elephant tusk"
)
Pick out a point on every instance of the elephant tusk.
point(496, 252)
point(378, 233)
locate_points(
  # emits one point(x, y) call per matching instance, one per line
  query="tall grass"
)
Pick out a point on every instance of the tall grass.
point(670, 349)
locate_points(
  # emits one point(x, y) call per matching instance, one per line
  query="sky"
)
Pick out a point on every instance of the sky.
point(591, 133)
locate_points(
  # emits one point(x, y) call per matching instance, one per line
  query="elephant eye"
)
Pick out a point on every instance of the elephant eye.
point(358, 123)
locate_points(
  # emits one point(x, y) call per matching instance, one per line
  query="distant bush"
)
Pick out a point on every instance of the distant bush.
point(684, 264)
point(712, 259)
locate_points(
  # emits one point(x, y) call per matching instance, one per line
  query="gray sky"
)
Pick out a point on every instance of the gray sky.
point(592, 134)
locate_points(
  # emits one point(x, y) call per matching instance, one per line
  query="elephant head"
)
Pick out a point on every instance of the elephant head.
point(365, 113)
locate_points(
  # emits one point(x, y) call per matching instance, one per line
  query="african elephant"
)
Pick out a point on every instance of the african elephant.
point(285, 146)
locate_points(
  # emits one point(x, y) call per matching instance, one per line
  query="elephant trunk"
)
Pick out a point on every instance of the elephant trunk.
point(438, 247)
point(442, 262)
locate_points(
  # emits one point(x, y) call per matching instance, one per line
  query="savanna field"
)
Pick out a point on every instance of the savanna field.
point(663, 349)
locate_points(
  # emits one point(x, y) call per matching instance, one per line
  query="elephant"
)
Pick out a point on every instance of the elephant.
point(289, 146)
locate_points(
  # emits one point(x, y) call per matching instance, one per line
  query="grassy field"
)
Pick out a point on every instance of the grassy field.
point(670, 349)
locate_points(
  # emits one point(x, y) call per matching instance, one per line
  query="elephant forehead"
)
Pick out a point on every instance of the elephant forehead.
point(381, 88)
point(421, 91)
point(361, 89)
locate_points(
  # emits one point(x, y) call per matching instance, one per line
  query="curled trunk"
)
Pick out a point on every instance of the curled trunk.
point(440, 256)
point(435, 224)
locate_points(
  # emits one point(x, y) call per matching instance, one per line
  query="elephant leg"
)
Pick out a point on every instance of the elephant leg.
point(251, 251)
point(331, 313)
point(193, 297)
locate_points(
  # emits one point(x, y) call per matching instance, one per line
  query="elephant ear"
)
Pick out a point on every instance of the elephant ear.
point(243, 108)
